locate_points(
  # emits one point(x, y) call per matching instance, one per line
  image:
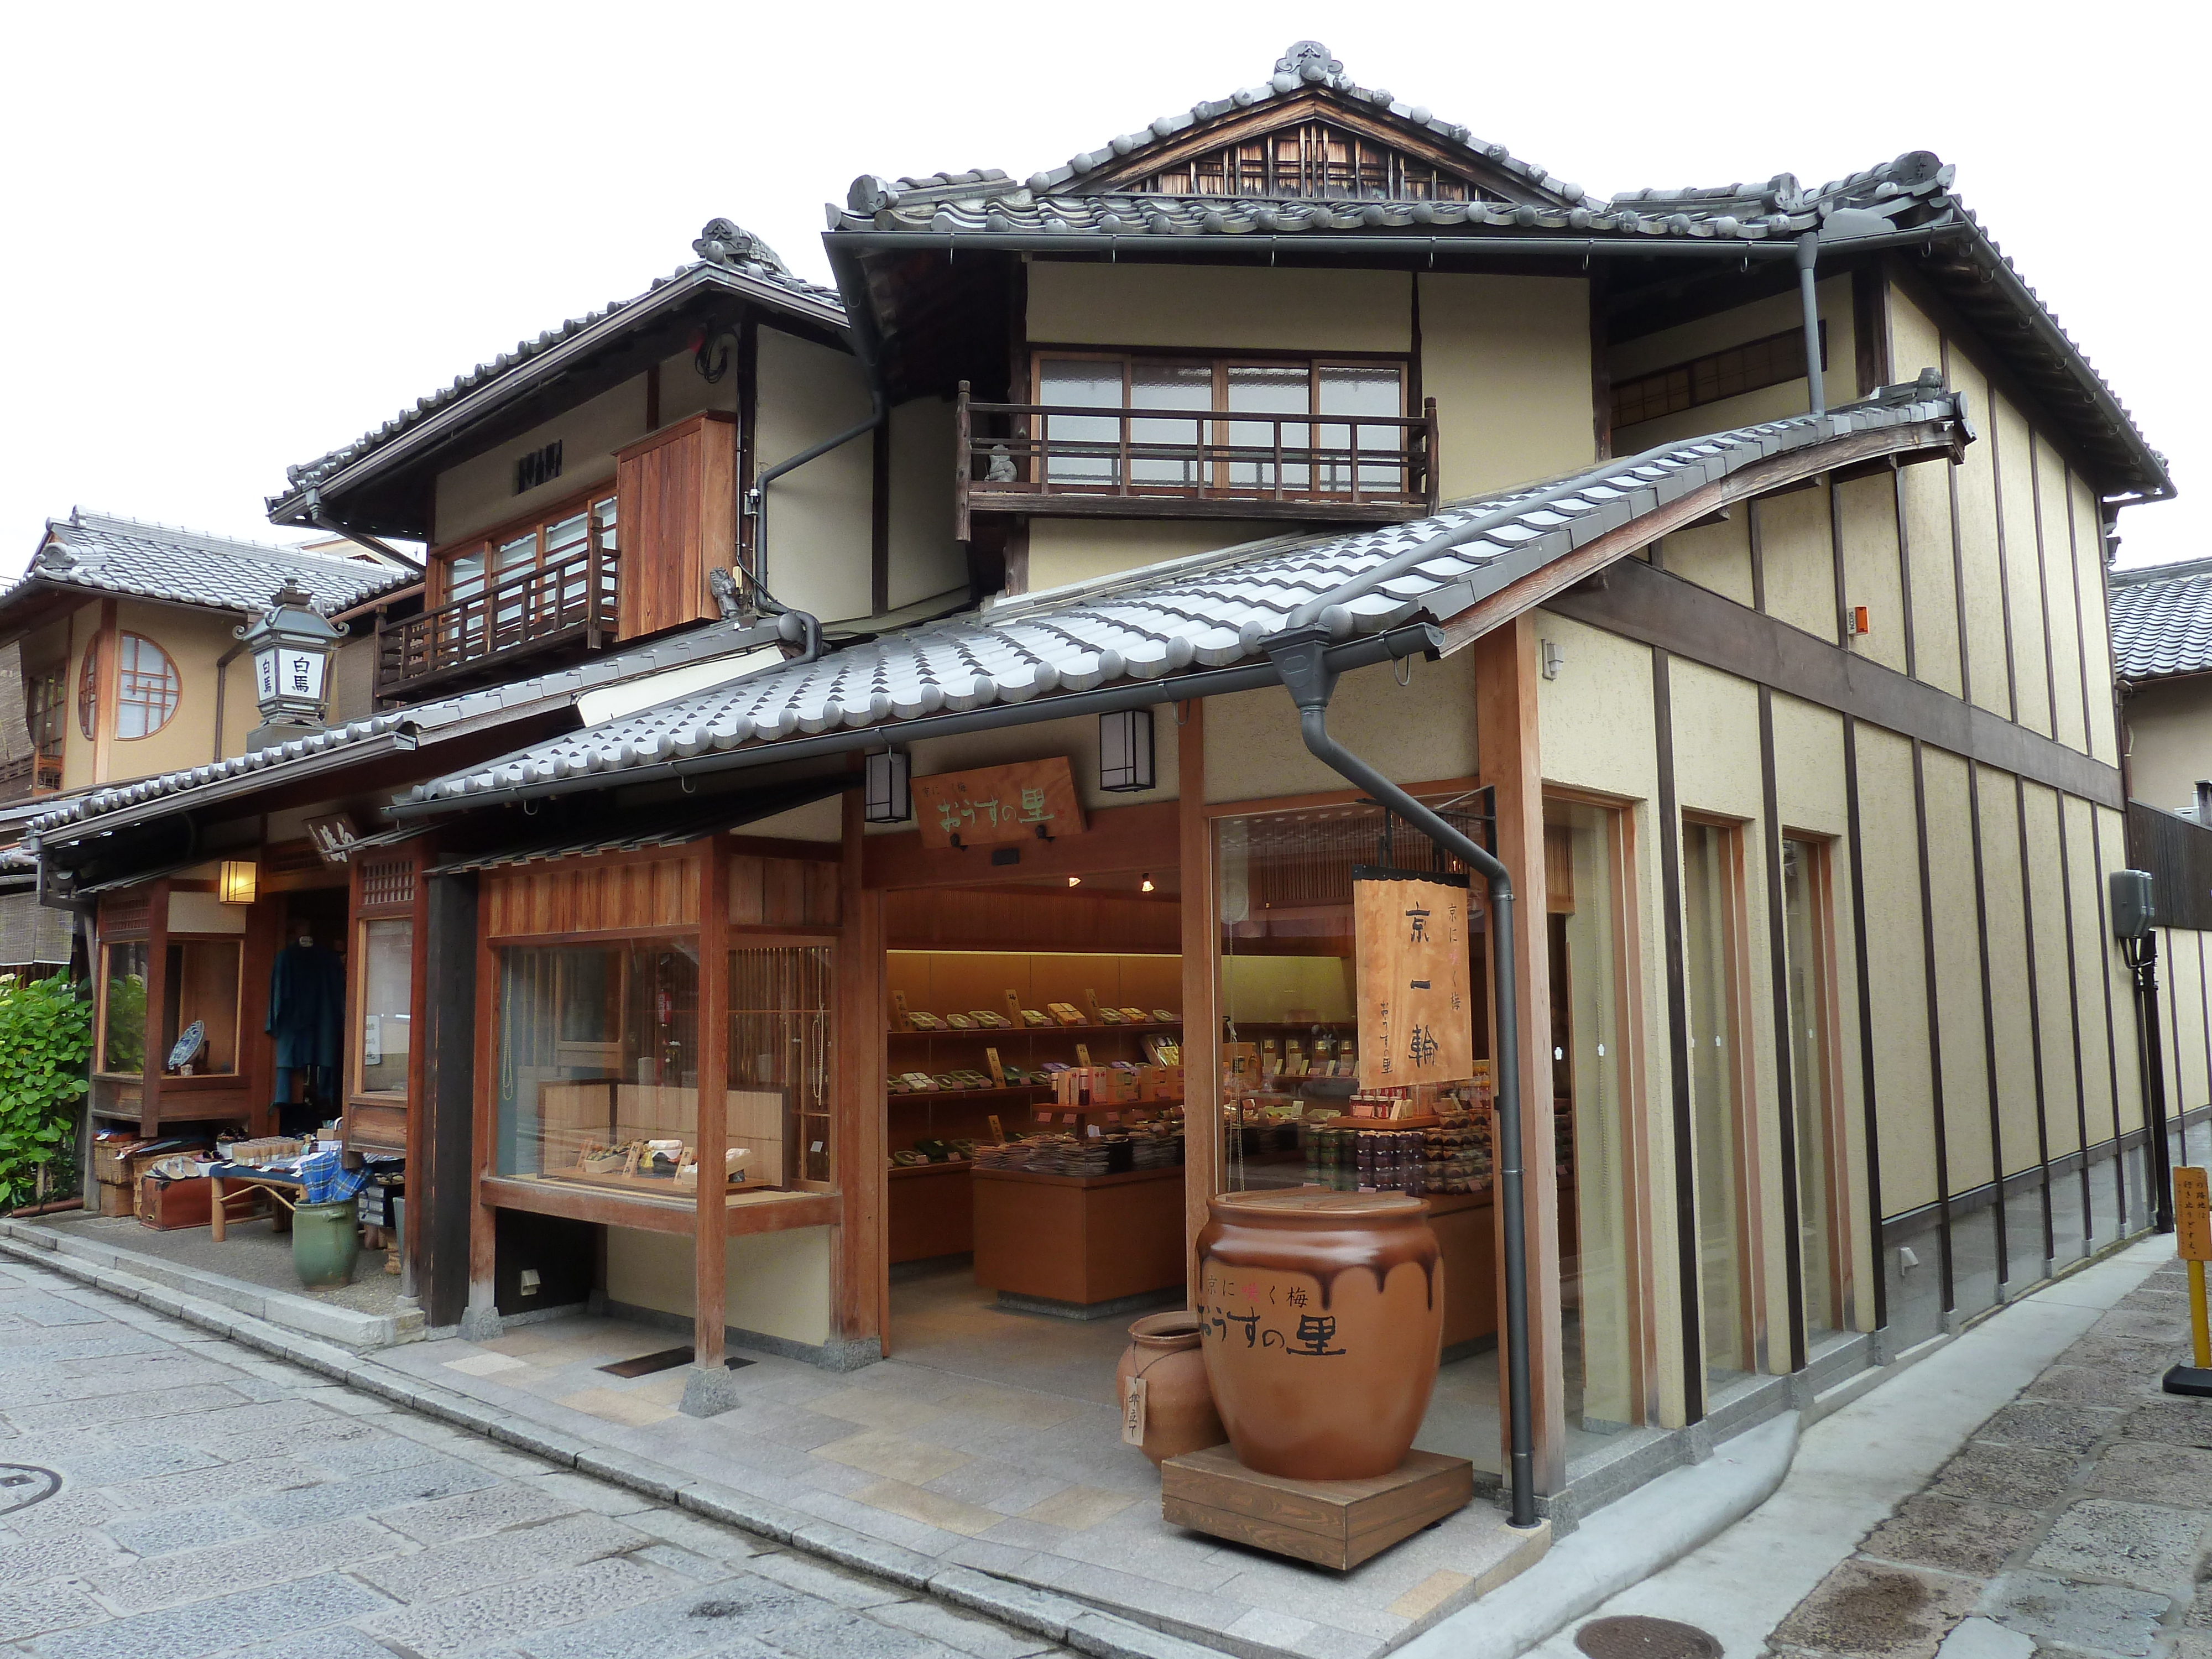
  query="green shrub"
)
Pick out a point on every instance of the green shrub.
point(45, 1035)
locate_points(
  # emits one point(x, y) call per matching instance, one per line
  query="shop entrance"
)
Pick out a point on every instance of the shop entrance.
point(1033, 1118)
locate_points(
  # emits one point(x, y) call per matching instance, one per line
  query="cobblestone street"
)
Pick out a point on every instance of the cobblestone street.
point(166, 1491)
point(2078, 1518)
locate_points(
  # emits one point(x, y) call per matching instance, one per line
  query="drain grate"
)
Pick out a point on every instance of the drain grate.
point(1638, 1638)
point(23, 1484)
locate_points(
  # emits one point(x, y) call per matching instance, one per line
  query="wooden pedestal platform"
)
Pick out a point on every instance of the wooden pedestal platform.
point(1333, 1524)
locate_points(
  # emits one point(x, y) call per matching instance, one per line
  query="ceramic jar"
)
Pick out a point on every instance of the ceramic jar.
point(1178, 1415)
point(325, 1243)
point(1323, 1322)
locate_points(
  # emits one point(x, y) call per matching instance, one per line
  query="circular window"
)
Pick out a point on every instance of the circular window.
point(146, 688)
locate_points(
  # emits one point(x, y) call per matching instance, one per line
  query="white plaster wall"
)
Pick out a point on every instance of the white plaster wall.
point(821, 517)
point(1508, 361)
point(479, 492)
point(1796, 553)
point(777, 1284)
point(1714, 555)
point(1420, 733)
point(1065, 551)
point(925, 559)
point(1219, 307)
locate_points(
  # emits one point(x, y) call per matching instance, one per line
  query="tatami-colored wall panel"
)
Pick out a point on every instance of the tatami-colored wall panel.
point(1796, 553)
point(1219, 307)
point(1809, 768)
point(2112, 842)
point(2096, 632)
point(2063, 599)
point(1595, 719)
point(2185, 1009)
point(2100, 1037)
point(1508, 361)
point(1958, 972)
point(1926, 493)
point(1714, 555)
point(820, 518)
point(1866, 509)
point(1915, 342)
point(1421, 731)
point(925, 559)
point(1065, 550)
point(2012, 461)
point(1897, 978)
point(479, 492)
point(2168, 747)
point(1974, 483)
point(2006, 894)
point(777, 1284)
point(2057, 1015)
point(1716, 742)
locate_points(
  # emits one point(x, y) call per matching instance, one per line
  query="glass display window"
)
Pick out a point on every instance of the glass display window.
point(385, 1038)
point(199, 997)
point(123, 1008)
point(781, 1065)
point(598, 1059)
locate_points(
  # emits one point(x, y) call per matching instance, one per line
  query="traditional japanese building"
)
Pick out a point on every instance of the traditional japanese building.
point(1038, 633)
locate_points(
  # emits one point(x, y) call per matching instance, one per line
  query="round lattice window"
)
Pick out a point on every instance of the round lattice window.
point(147, 687)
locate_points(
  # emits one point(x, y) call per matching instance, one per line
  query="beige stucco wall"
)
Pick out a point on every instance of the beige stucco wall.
point(1796, 553)
point(2012, 462)
point(1974, 487)
point(1897, 979)
point(2169, 738)
point(2101, 1038)
point(925, 559)
point(1417, 732)
point(1958, 956)
point(479, 492)
point(2004, 884)
point(1773, 315)
point(2051, 966)
point(1218, 307)
point(2111, 832)
point(2094, 619)
point(684, 391)
point(1866, 514)
point(2185, 1009)
point(1063, 551)
point(820, 518)
point(1508, 361)
point(777, 1284)
point(1715, 555)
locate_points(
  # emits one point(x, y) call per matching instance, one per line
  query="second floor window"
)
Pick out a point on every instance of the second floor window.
point(46, 706)
point(146, 686)
point(525, 581)
point(1275, 449)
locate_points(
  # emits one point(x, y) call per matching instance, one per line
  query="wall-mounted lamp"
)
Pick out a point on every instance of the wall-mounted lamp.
point(889, 799)
point(238, 882)
point(1146, 885)
point(1554, 659)
point(1125, 750)
point(1075, 881)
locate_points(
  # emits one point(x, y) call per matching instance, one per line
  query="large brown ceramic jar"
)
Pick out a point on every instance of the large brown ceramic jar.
point(1324, 1324)
point(1179, 1414)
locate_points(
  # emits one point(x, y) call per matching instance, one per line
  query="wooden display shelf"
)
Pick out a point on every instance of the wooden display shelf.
point(1079, 1240)
point(1333, 1524)
point(908, 1171)
point(930, 1211)
point(1153, 1026)
point(969, 1094)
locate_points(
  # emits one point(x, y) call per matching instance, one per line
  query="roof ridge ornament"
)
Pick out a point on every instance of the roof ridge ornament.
point(1309, 60)
point(725, 242)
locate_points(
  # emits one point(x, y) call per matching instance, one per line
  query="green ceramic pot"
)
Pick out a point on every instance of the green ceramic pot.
point(326, 1241)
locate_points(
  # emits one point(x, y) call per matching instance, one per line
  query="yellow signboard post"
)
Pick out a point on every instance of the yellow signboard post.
point(2192, 1243)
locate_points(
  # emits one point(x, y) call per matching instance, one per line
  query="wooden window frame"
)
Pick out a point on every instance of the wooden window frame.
point(413, 910)
point(488, 541)
point(1820, 896)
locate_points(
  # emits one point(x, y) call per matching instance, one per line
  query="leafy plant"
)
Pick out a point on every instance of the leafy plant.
point(45, 1036)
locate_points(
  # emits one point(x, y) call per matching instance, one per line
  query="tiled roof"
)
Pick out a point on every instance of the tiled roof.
point(1212, 612)
point(2162, 620)
point(721, 246)
point(106, 555)
point(427, 721)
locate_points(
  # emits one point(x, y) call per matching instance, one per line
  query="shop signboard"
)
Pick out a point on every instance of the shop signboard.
point(1025, 801)
point(2192, 1214)
point(1416, 1018)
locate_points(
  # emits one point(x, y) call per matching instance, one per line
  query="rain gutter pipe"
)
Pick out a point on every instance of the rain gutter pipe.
point(1419, 639)
point(1809, 255)
point(1310, 674)
point(315, 516)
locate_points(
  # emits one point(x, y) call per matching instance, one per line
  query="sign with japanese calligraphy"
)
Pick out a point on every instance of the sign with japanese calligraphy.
point(2192, 1214)
point(1416, 1018)
point(998, 804)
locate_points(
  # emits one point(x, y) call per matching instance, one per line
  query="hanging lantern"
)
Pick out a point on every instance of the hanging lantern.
point(290, 643)
point(889, 799)
point(239, 881)
point(1125, 750)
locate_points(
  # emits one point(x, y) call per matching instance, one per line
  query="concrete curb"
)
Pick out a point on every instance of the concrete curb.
point(1043, 1612)
point(346, 1326)
point(1622, 1544)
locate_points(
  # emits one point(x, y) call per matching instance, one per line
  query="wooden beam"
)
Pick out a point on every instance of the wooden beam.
point(1144, 837)
point(1506, 740)
point(860, 1256)
point(709, 1258)
point(1202, 1068)
point(483, 1248)
point(108, 663)
point(157, 979)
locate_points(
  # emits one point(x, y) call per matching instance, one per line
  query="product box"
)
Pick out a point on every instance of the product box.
point(115, 1198)
point(168, 1205)
point(111, 1159)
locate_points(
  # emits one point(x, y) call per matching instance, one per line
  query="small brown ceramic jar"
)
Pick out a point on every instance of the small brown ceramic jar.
point(1323, 1322)
point(1178, 1408)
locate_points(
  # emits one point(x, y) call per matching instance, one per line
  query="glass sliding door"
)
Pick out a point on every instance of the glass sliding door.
point(1589, 1106)
point(1712, 886)
point(1807, 966)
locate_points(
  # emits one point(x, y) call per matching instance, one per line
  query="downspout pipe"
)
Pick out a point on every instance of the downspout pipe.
point(1809, 255)
point(1303, 660)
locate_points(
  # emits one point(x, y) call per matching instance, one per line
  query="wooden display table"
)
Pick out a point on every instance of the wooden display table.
point(1467, 1233)
point(932, 1212)
point(1079, 1240)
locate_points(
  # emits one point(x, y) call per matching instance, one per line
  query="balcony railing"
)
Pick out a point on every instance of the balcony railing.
point(1182, 463)
point(28, 776)
point(573, 598)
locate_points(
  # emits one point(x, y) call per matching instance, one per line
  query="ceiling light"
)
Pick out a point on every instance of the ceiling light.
point(1075, 881)
point(1146, 885)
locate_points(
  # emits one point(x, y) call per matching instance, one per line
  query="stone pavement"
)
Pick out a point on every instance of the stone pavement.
point(2078, 1519)
point(166, 1491)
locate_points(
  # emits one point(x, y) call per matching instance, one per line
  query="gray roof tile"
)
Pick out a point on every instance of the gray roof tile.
point(103, 553)
point(2162, 620)
point(1208, 612)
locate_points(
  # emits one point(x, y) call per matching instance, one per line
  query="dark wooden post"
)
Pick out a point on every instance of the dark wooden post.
point(961, 454)
point(1202, 1068)
point(709, 1391)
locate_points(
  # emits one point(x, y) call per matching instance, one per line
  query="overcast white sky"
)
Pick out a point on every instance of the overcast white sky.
point(238, 237)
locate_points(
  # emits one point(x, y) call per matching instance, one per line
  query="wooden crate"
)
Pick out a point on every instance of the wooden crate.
point(115, 1198)
point(1332, 1523)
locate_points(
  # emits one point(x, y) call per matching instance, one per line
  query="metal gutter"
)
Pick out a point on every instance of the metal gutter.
point(548, 364)
point(322, 520)
point(1309, 672)
point(1421, 639)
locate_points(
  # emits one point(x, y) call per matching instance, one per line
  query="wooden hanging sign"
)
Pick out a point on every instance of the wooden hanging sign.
point(998, 803)
point(1416, 1018)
